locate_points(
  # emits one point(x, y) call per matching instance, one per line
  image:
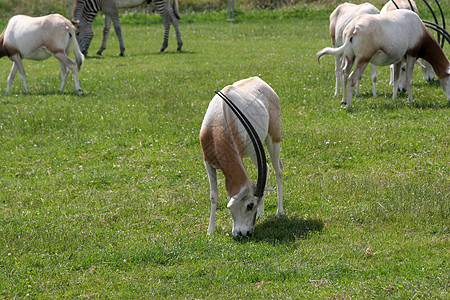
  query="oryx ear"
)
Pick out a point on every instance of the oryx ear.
point(236, 198)
point(268, 189)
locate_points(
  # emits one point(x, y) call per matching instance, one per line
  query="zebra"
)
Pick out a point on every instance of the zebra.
point(86, 10)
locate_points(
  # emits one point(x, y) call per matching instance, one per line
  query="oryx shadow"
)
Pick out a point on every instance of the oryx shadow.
point(285, 228)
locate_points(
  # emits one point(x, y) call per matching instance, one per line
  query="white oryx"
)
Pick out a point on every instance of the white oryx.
point(427, 69)
point(37, 39)
point(388, 39)
point(339, 19)
point(225, 142)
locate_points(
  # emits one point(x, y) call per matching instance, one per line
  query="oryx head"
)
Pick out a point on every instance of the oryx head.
point(401, 77)
point(427, 71)
point(244, 207)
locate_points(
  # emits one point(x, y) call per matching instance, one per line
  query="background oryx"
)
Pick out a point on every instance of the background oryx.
point(37, 39)
point(387, 39)
point(427, 69)
point(339, 19)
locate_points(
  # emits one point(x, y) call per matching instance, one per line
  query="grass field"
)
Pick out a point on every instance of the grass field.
point(106, 196)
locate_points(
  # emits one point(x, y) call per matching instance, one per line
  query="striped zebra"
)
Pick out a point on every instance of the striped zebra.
point(86, 10)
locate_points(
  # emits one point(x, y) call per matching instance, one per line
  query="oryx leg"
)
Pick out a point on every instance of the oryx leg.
point(396, 72)
point(346, 68)
point(17, 65)
point(337, 73)
point(67, 61)
point(274, 153)
point(391, 75)
point(64, 73)
point(11, 76)
point(374, 80)
point(354, 78)
point(357, 88)
point(214, 195)
point(410, 61)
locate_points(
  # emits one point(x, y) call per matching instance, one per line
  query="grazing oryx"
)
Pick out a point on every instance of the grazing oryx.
point(339, 19)
point(387, 39)
point(427, 69)
point(38, 39)
point(86, 10)
point(225, 143)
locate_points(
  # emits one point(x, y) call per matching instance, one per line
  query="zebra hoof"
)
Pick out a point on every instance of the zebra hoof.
point(80, 92)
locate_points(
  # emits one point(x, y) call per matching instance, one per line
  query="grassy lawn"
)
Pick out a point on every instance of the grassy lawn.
point(106, 196)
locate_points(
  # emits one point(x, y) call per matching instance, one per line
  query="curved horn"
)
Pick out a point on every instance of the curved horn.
point(259, 149)
point(410, 5)
point(436, 21)
point(395, 4)
point(438, 29)
point(443, 19)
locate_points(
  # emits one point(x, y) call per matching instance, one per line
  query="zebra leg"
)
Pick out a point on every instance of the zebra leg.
point(105, 34)
point(166, 22)
point(118, 31)
point(176, 25)
point(168, 16)
point(112, 12)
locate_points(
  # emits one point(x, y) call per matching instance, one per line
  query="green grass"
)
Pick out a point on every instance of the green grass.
point(106, 196)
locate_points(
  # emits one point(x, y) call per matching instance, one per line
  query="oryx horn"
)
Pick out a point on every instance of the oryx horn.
point(439, 30)
point(436, 21)
point(257, 144)
point(395, 4)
